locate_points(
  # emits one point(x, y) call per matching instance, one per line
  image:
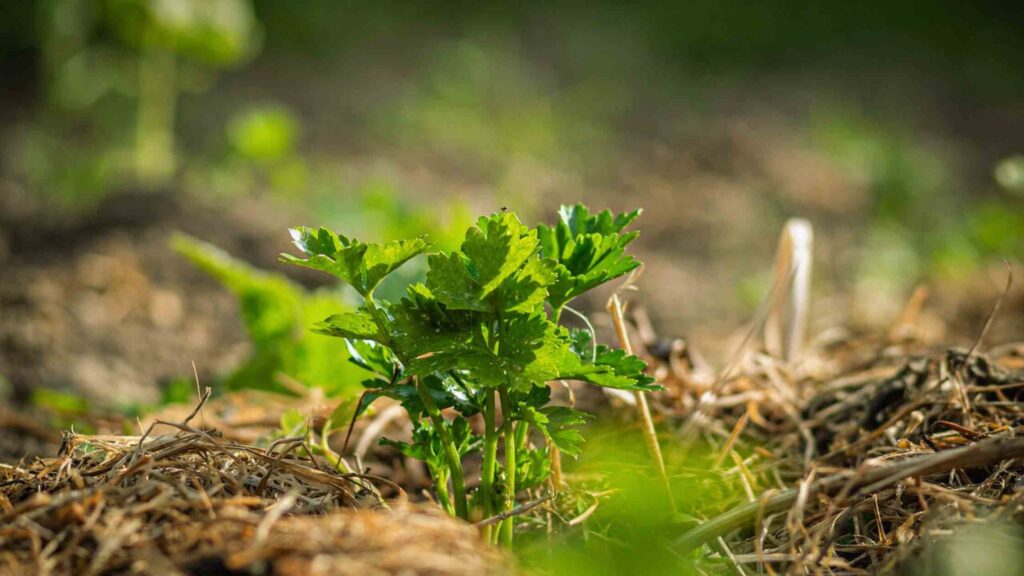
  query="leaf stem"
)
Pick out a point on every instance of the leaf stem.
point(554, 453)
point(334, 458)
point(378, 318)
point(508, 525)
point(490, 457)
point(450, 451)
point(441, 481)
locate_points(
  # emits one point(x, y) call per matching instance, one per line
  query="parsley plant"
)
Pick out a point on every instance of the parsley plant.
point(481, 336)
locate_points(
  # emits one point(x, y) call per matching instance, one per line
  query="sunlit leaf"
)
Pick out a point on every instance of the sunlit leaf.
point(363, 266)
point(354, 325)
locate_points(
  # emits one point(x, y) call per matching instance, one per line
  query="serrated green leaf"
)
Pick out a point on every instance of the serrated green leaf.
point(610, 368)
point(496, 270)
point(374, 357)
point(563, 428)
point(422, 326)
point(580, 221)
point(361, 265)
point(589, 249)
point(537, 397)
point(497, 247)
point(582, 344)
point(528, 352)
point(527, 349)
point(526, 290)
point(354, 325)
point(449, 281)
point(624, 364)
point(560, 425)
point(606, 377)
point(319, 242)
point(533, 467)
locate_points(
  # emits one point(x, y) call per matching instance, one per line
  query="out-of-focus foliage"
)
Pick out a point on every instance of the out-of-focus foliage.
point(481, 99)
point(65, 409)
point(261, 155)
point(264, 133)
point(1010, 173)
point(705, 35)
point(215, 34)
point(633, 524)
point(919, 222)
point(112, 72)
point(277, 314)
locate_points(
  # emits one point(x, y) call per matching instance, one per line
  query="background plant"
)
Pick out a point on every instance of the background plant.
point(276, 313)
point(111, 74)
point(481, 336)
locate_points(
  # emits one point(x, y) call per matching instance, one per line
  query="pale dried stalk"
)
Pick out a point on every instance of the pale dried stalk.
point(906, 324)
point(786, 326)
point(650, 435)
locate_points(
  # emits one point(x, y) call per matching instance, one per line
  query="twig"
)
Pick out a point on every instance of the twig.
point(984, 452)
point(584, 515)
point(149, 430)
point(993, 312)
point(736, 431)
point(650, 434)
point(521, 509)
point(199, 394)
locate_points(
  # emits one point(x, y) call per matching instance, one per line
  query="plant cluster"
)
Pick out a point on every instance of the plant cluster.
point(481, 335)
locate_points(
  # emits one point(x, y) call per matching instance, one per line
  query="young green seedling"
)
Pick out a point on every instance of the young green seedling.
point(481, 336)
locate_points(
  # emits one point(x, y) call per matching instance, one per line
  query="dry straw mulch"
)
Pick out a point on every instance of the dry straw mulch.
point(857, 458)
point(194, 503)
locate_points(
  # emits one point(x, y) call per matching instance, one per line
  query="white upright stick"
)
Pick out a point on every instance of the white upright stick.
point(786, 325)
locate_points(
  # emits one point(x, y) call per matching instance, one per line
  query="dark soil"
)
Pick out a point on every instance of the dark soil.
point(99, 305)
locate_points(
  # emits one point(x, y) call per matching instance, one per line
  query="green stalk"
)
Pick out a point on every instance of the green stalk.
point(490, 458)
point(553, 451)
point(332, 457)
point(450, 452)
point(508, 525)
point(378, 317)
point(521, 430)
point(556, 313)
point(441, 479)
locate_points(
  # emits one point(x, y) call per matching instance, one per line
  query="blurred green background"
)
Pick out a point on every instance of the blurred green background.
point(897, 128)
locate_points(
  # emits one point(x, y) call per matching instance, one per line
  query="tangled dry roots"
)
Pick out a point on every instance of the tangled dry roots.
point(191, 503)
